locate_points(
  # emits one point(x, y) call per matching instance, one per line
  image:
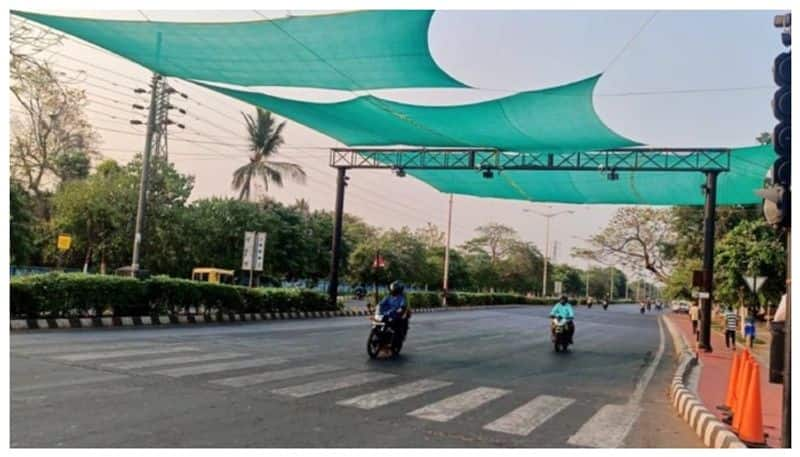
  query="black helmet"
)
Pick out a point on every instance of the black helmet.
point(396, 287)
point(563, 298)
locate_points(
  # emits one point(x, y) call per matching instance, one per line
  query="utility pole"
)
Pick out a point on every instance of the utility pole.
point(155, 146)
point(445, 285)
point(587, 284)
point(546, 251)
point(155, 93)
point(611, 284)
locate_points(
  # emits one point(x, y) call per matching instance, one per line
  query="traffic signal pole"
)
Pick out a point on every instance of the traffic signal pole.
point(786, 419)
point(709, 223)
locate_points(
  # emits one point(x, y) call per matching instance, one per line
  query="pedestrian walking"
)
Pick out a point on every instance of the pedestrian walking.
point(694, 315)
point(731, 319)
point(750, 329)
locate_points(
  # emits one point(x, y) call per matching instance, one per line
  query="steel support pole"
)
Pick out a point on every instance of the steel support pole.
point(546, 254)
point(708, 258)
point(143, 180)
point(445, 280)
point(336, 243)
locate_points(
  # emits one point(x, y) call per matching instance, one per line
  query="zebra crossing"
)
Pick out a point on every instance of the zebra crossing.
point(241, 370)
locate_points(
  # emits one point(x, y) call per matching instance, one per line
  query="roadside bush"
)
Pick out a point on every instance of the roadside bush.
point(434, 299)
point(76, 294)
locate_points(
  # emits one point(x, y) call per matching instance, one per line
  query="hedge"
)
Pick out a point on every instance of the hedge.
point(434, 299)
point(77, 294)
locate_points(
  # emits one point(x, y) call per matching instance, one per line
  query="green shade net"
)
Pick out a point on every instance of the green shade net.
point(358, 50)
point(389, 49)
point(735, 187)
point(557, 119)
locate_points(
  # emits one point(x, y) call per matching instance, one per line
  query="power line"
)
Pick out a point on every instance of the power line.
point(630, 41)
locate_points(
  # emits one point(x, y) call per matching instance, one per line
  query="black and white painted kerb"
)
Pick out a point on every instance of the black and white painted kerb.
point(144, 321)
point(709, 428)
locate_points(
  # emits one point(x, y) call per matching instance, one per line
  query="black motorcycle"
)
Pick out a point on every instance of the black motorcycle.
point(387, 336)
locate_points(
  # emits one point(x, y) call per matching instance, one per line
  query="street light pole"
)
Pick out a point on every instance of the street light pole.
point(546, 252)
point(447, 253)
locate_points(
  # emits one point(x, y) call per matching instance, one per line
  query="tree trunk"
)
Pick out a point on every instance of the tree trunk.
point(87, 259)
point(102, 263)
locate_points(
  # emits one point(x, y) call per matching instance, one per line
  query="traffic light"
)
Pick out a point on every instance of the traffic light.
point(777, 195)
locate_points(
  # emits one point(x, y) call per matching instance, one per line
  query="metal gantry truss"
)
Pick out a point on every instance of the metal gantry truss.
point(709, 161)
point(608, 160)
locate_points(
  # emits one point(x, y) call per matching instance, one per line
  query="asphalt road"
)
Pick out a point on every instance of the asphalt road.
point(485, 378)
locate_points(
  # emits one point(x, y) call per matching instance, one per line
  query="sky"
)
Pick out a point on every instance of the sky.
point(670, 78)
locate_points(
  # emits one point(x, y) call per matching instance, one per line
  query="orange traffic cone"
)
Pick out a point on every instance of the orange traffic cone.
point(751, 426)
point(733, 377)
point(745, 372)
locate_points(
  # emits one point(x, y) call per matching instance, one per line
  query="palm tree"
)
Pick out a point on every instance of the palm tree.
point(265, 139)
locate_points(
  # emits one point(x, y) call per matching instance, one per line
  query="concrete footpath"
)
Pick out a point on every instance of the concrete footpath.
point(714, 373)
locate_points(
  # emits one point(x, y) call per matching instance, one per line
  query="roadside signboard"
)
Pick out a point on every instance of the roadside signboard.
point(247, 254)
point(261, 242)
point(64, 242)
point(558, 285)
point(754, 283)
point(253, 252)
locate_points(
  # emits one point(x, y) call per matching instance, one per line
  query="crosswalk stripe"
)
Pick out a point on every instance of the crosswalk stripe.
point(452, 407)
point(607, 428)
point(58, 347)
point(69, 383)
point(118, 354)
point(173, 360)
point(260, 378)
point(393, 394)
point(327, 385)
point(523, 420)
point(217, 367)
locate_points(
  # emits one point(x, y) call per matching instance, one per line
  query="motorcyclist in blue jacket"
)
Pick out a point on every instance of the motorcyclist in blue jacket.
point(563, 310)
point(393, 307)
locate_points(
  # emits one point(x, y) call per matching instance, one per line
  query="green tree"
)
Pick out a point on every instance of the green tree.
point(21, 234)
point(750, 248)
point(573, 280)
point(265, 139)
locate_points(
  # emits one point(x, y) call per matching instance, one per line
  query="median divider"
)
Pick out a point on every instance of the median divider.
point(199, 319)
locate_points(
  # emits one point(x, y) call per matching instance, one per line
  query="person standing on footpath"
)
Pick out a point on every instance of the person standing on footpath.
point(694, 315)
point(731, 319)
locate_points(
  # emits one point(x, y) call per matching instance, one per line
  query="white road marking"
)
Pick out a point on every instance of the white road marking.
point(393, 394)
point(452, 407)
point(59, 347)
point(612, 423)
point(69, 382)
point(217, 367)
point(523, 420)
point(124, 353)
point(260, 378)
point(327, 385)
point(173, 360)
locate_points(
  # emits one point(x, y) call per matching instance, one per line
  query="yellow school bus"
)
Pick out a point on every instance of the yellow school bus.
point(215, 275)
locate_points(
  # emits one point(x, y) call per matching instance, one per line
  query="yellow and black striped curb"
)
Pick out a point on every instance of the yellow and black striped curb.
point(713, 432)
point(180, 319)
